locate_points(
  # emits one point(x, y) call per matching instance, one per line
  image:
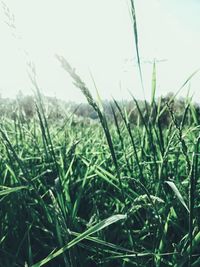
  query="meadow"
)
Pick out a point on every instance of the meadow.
point(104, 192)
point(108, 193)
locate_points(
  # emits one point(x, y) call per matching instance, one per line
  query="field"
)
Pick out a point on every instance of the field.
point(121, 190)
point(107, 193)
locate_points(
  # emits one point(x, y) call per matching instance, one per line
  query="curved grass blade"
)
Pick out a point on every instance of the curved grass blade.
point(97, 227)
point(178, 91)
point(178, 194)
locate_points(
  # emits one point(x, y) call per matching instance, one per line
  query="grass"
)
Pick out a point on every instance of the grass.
point(111, 193)
point(103, 194)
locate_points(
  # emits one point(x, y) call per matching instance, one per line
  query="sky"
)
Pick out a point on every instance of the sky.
point(96, 38)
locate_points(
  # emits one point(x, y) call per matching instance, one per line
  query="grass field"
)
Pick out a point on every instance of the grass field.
point(108, 193)
point(101, 194)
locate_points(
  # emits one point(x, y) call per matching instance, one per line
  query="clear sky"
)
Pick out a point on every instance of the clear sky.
point(96, 36)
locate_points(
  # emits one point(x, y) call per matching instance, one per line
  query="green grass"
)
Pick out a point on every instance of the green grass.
point(105, 194)
point(112, 193)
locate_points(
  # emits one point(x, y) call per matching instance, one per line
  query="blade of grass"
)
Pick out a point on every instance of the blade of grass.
point(97, 227)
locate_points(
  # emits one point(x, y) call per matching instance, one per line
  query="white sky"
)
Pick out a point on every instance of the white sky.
point(96, 36)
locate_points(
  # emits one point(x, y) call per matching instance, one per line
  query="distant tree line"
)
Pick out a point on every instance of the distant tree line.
point(24, 107)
